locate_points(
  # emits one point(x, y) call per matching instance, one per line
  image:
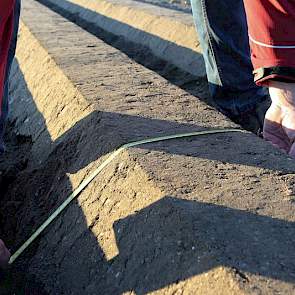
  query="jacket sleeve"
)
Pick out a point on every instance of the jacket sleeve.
point(6, 28)
point(272, 39)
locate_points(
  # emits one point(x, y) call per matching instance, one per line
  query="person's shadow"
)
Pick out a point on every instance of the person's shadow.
point(174, 239)
point(165, 241)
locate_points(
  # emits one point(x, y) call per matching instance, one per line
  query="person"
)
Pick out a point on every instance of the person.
point(8, 41)
point(272, 41)
point(9, 21)
point(223, 33)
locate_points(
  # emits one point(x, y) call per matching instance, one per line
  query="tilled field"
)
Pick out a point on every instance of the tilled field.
point(206, 215)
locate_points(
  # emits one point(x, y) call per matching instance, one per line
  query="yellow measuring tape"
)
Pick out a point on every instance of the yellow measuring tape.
point(89, 179)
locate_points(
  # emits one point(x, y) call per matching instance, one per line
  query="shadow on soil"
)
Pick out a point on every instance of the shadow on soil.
point(168, 241)
point(174, 239)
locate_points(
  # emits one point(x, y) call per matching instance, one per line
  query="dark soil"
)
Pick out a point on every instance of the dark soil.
point(12, 164)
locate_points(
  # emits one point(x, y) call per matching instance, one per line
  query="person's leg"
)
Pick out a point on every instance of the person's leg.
point(8, 43)
point(11, 53)
point(272, 40)
point(222, 31)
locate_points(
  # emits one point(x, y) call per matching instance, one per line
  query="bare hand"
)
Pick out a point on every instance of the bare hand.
point(279, 124)
point(4, 255)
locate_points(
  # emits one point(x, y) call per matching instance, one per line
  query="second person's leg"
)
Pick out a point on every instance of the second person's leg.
point(11, 53)
point(222, 30)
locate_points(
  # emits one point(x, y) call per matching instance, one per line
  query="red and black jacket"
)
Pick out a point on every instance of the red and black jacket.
point(6, 29)
point(271, 25)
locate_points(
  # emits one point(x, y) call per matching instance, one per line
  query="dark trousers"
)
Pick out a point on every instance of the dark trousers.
point(222, 30)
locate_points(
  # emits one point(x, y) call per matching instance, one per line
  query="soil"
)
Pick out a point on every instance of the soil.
point(12, 164)
point(181, 5)
point(211, 215)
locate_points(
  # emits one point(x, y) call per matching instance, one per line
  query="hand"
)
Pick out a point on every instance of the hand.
point(4, 255)
point(279, 124)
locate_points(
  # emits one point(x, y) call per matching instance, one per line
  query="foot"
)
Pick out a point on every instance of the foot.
point(4, 255)
point(279, 124)
point(253, 120)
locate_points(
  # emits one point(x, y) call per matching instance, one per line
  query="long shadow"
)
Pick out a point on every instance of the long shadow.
point(141, 54)
point(168, 241)
point(100, 133)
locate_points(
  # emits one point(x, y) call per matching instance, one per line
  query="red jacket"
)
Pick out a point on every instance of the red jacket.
point(6, 28)
point(271, 26)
